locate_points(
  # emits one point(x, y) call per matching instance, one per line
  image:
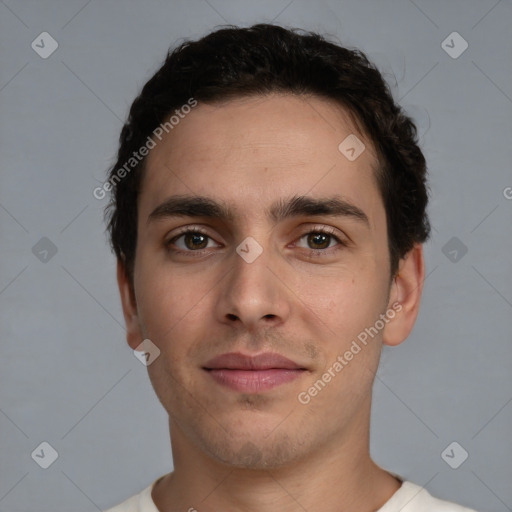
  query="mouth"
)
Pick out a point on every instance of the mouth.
point(253, 374)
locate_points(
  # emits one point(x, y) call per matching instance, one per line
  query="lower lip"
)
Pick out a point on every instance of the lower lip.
point(254, 381)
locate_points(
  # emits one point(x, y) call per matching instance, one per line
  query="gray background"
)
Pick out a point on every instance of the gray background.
point(67, 375)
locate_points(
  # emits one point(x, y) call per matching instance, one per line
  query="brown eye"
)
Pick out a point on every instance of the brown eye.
point(195, 240)
point(318, 240)
point(190, 240)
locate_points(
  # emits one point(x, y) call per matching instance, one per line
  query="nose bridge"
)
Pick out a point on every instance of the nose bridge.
point(250, 274)
point(252, 293)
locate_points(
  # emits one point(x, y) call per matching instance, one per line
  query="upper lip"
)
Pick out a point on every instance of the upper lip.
point(238, 361)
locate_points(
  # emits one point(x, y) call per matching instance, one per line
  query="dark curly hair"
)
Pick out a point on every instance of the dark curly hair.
point(234, 62)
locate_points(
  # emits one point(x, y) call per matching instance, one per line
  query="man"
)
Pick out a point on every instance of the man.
point(268, 214)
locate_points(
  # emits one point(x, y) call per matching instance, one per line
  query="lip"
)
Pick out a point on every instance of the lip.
point(253, 374)
point(239, 361)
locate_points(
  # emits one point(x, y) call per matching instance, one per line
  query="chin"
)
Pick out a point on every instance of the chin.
point(252, 456)
point(253, 449)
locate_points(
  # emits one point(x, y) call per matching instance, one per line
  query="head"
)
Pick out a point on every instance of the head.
point(299, 249)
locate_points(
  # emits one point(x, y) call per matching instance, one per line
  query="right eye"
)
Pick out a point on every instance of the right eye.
point(190, 240)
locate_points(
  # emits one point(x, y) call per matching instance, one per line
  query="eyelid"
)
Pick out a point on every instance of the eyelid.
point(330, 230)
point(187, 229)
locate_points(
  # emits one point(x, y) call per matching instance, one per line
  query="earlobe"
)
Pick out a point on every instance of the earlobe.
point(405, 296)
point(133, 332)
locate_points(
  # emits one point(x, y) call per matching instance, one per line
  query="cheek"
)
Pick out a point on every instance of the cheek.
point(170, 303)
point(348, 298)
point(173, 315)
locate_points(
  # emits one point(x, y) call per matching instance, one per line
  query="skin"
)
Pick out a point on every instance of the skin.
point(265, 450)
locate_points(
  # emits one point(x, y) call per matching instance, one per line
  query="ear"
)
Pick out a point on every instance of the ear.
point(405, 296)
point(134, 335)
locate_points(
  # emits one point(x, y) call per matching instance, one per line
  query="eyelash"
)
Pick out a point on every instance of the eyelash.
point(312, 252)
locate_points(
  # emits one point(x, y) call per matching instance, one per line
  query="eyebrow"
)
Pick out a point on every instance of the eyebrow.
point(297, 206)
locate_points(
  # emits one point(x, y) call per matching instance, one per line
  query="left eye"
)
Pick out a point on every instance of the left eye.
point(320, 240)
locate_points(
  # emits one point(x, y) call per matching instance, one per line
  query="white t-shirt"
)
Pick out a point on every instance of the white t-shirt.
point(409, 498)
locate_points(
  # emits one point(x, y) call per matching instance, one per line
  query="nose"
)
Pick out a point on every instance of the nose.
point(253, 294)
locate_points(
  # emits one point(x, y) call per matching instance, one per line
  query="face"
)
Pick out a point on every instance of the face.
point(288, 255)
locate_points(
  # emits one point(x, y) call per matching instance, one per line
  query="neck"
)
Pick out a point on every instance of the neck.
point(338, 476)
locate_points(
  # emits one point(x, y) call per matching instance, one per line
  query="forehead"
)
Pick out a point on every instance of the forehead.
point(253, 150)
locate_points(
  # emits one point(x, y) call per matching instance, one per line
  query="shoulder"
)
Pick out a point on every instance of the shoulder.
point(141, 502)
point(414, 498)
point(129, 505)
